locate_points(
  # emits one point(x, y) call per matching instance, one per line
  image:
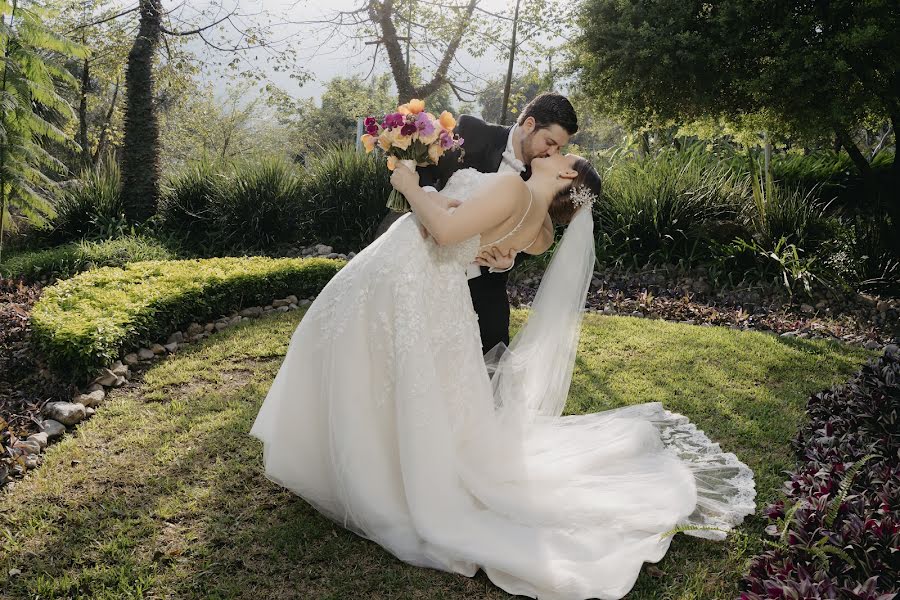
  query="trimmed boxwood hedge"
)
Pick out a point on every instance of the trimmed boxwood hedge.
point(90, 320)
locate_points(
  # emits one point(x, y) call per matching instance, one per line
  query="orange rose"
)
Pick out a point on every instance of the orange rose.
point(368, 142)
point(384, 140)
point(435, 152)
point(402, 141)
point(447, 121)
point(391, 163)
point(403, 109)
point(416, 106)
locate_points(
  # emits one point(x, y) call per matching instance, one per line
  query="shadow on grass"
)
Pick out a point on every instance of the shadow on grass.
point(169, 499)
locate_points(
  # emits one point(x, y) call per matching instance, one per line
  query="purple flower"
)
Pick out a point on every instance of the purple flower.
point(393, 120)
point(424, 124)
point(372, 129)
point(370, 121)
point(459, 141)
point(408, 129)
point(446, 140)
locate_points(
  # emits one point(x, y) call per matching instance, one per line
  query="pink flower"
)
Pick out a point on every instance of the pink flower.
point(446, 140)
point(393, 120)
point(424, 124)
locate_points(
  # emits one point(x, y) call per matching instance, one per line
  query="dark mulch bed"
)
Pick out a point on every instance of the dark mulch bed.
point(850, 318)
point(23, 387)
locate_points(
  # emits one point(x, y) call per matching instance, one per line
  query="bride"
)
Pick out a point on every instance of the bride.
point(384, 417)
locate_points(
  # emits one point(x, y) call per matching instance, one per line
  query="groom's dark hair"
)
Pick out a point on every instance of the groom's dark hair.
point(549, 109)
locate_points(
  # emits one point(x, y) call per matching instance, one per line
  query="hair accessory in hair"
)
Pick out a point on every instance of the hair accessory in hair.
point(582, 196)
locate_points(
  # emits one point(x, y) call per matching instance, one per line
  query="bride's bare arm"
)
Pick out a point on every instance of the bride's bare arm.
point(490, 206)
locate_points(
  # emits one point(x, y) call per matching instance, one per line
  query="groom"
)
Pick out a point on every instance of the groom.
point(543, 128)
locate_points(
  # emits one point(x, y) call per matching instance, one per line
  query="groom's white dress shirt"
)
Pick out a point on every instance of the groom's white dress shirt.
point(508, 164)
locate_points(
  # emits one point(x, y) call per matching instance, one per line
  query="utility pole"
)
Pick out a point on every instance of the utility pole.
point(550, 66)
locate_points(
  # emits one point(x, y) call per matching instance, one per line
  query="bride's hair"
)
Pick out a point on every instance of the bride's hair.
point(562, 208)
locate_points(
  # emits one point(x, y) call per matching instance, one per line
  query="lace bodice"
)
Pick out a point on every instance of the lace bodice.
point(460, 187)
point(462, 183)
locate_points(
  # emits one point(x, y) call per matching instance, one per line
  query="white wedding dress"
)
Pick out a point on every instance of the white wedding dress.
point(383, 417)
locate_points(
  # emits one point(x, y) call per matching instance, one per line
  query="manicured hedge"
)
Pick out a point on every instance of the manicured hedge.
point(90, 320)
point(837, 535)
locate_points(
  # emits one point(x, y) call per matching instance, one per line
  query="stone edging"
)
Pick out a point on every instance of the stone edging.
point(59, 416)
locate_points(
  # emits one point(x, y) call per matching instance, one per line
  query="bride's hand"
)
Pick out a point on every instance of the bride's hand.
point(404, 179)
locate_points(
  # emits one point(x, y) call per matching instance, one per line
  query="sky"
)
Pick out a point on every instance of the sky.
point(323, 59)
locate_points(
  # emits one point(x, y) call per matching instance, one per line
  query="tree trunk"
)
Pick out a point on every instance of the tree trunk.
point(893, 200)
point(380, 12)
point(107, 123)
point(645, 144)
point(862, 165)
point(82, 114)
point(509, 70)
point(140, 152)
point(895, 166)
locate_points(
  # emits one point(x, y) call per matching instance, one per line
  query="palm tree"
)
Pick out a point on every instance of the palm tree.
point(140, 150)
point(30, 111)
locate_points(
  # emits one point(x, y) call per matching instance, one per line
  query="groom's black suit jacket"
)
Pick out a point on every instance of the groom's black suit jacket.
point(483, 148)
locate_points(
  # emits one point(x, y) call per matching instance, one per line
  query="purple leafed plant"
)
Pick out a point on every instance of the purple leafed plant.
point(837, 534)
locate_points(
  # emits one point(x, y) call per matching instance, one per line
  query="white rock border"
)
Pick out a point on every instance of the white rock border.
point(59, 417)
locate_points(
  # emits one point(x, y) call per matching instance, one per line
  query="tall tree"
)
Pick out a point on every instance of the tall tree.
point(140, 152)
point(806, 70)
point(108, 31)
point(32, 112)
point(522, 90)
point(141, 145)
point(333, 121)
point(421, 39)
point(384, 15)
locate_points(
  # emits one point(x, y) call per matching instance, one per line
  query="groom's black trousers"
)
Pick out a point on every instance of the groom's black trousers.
point(492, 307)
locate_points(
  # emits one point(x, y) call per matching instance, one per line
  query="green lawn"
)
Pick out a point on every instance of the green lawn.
point(161, 494)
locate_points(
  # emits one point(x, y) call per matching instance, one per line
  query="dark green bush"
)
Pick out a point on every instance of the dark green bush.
point(667, 207)
point(90, 320)
point(221, 208)
point(345, 193)
point(90, 207)
point(187, 206)
point(259, 205)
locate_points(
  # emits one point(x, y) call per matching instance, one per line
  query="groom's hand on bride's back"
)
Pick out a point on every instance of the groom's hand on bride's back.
point(497, 259)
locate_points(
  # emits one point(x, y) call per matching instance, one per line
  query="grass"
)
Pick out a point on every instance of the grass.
point(161, 495)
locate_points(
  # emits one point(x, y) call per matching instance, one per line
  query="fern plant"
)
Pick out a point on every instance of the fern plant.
point(32, 111)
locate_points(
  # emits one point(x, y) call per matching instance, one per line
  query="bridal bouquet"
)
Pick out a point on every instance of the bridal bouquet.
point(413, 137)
